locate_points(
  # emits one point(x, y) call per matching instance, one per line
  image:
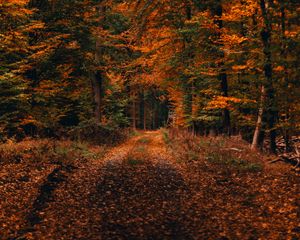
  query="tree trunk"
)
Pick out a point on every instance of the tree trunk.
point(97, 85)
point(217, 11)
point(285, 77)
point(187, 102)
point(145, 117)
point(142, 117)
point(133, 113)
point(187, 84)
point(271, 113)
point(97, 77)
point(257, 132)
point(226, 113)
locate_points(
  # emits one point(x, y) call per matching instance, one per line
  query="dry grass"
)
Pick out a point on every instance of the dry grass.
point(232, 151)
point(237, 193)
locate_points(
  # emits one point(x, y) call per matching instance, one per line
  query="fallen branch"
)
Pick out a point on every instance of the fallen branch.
point(294, 160)
point(276, 160)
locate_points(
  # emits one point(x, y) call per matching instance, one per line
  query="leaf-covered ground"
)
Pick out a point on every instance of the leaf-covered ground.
point(156, 185)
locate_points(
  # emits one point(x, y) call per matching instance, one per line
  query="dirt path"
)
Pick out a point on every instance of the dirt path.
point(133, 192)
point(143, 189)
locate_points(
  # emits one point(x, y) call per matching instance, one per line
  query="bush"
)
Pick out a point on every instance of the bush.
point(166, 136)
point(47, 151)
point(98, 134)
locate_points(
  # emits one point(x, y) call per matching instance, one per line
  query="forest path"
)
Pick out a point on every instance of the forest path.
point(134, 192)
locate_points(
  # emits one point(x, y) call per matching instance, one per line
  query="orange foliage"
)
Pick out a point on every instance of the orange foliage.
point(221, 102)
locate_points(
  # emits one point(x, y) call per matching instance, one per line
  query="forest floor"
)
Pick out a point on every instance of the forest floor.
point(156, 185)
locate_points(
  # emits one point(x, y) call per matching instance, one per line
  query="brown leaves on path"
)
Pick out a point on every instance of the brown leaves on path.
point(141, 196)
point(133, 192)
point(158, 187)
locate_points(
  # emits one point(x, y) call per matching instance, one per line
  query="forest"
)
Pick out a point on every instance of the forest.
point(149, 119)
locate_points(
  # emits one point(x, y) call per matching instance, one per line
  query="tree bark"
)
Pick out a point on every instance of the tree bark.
point(226, 113)
point(142, 117)
point(145, 116)
point(257, 132)
point(97, 86)
point(187, 85)
point(283, 54)
point(133, 113)
point(97, 76)
point(270, 93)
point(217, 11)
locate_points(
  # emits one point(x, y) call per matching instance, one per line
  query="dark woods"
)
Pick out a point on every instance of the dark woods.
point(213, 67)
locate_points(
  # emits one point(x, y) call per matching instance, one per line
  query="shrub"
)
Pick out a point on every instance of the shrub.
point(98, 134)
point(230, 161)
point(166, 136)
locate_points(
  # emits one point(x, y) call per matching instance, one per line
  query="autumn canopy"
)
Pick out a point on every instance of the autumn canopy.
point(149, 119)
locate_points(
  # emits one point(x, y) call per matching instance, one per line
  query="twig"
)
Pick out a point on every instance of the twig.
point(276, 160)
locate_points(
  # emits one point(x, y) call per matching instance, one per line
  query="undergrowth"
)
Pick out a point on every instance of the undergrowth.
point(166, 136)
point(94, 133)
point(223, 152)
point(48, 151)
point(229, 160)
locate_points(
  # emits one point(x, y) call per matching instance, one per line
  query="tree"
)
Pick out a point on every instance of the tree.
point(15, 54)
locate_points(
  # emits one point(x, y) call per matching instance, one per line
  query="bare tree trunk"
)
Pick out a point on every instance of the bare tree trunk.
point(142, 123)
point(145, 115)
point(285, 77)
point(97, 76)
point(270, 92)
point(187, 84)
point(133, 113)
point(257, 132)
point(97, 85)
point(217, 10)
point(53, 5)
point(226, 113)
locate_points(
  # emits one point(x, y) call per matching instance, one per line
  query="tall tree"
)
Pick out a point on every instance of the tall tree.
point(271, 110)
